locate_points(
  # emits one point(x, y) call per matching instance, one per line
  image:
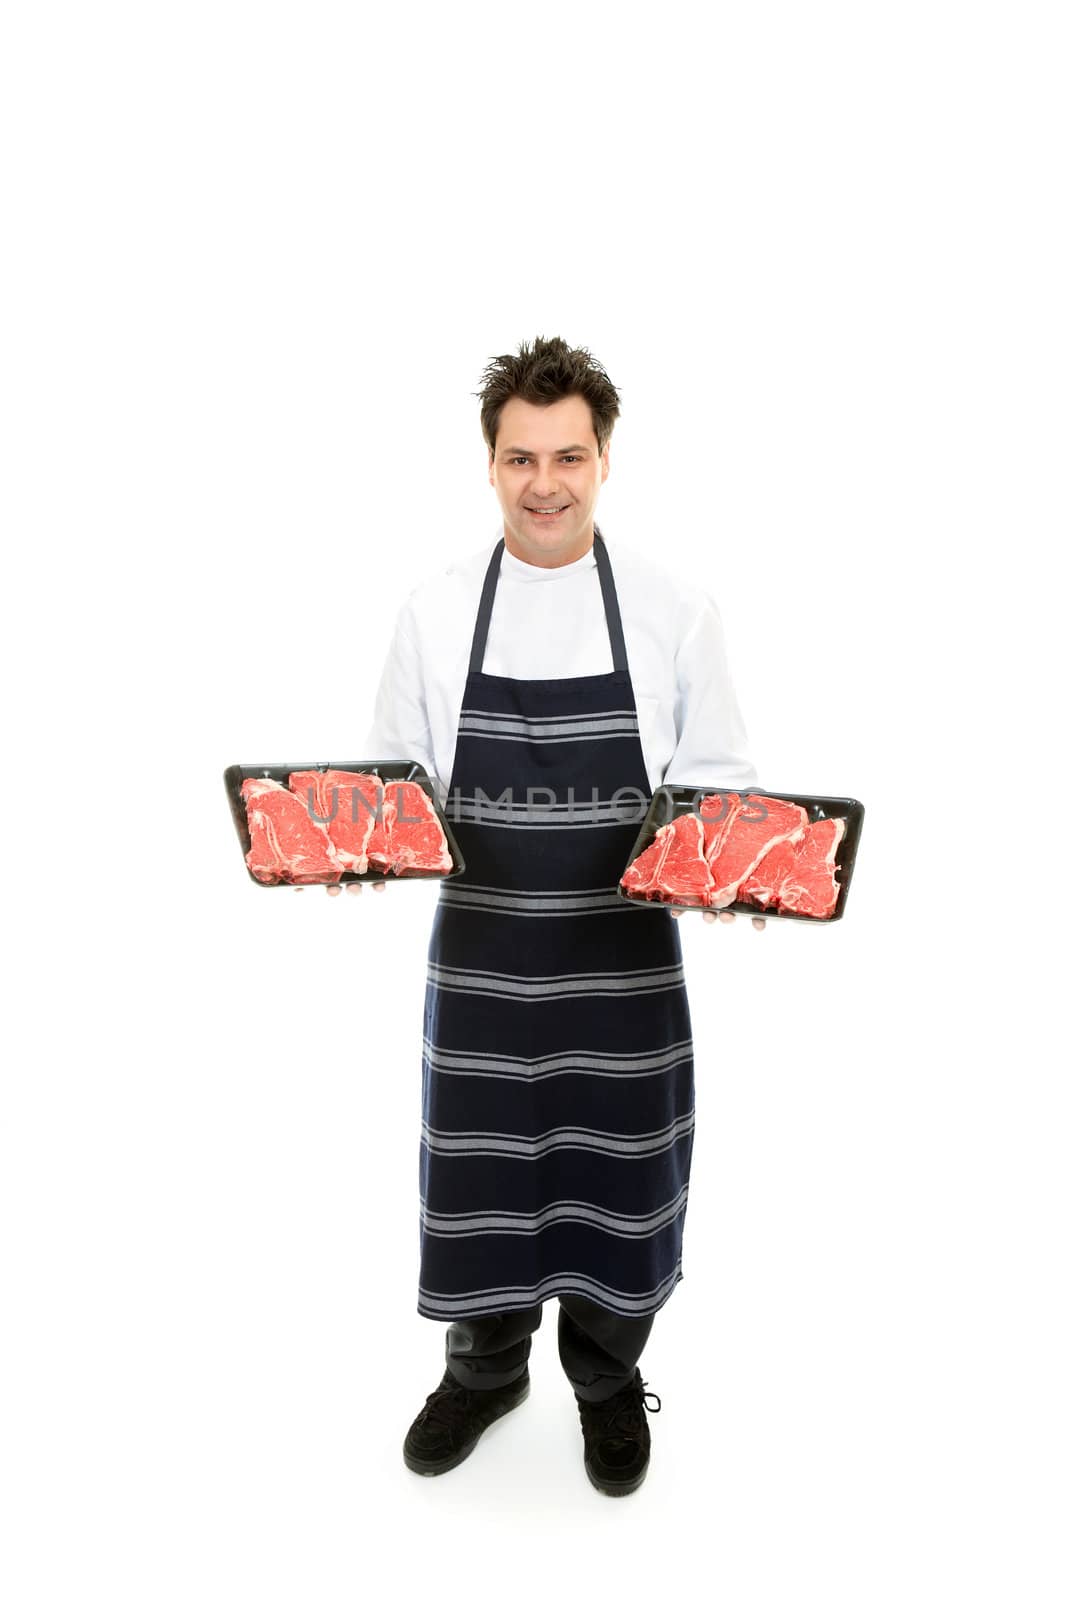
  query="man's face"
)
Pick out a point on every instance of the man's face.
point(546, 457)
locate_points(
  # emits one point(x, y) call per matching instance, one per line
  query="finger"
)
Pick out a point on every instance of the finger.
point(759, 922)
point(354, 888)
point(379, 886)
point(727, 916)
point(677, 911)
point(333, 888)
point(711, 916)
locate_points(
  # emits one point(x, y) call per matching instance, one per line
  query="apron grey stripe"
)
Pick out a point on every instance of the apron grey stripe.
point(578, 716)
point(628, 799)
point(474, 820)
point(504, 986)
point(590, 1063)
point(482, 814)
point(476, 1222)
point(522, 1295)
point(553, 729)
point(594, 911)
point(468, 897)
point(535, 738)
point(529, 1148)
point(563, 896)
point(544, 808)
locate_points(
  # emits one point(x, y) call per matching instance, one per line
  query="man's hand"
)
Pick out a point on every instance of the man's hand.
point(335, 888)
point(719, 916)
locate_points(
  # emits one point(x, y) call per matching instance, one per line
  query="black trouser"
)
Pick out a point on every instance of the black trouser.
point(597, 1349)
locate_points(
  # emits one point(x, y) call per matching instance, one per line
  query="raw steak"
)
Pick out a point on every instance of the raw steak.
point(673, 866)
point(641, 875)
point(683, 872)
point(287, 845)
point(736, 841)
point(799, 877)
point(409, 838)
point(349, 801)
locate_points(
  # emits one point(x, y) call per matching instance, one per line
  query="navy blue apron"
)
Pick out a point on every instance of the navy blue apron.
point(557, 1078)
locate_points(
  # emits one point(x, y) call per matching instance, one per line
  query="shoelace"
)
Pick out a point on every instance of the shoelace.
point(444, 1408)
point(625, 1415)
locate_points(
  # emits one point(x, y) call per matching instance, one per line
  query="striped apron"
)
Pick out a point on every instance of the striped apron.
point(557, 1078)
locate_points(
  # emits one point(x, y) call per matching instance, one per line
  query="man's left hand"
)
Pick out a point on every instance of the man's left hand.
point(718, 916)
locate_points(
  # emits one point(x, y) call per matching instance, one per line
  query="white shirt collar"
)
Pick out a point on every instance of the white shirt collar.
point(526, 572)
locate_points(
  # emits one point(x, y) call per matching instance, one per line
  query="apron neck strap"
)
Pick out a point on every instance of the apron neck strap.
point(607, 593)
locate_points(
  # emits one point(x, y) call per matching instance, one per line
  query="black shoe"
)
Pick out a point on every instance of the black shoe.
point(453, 1419)
point(617, 1442)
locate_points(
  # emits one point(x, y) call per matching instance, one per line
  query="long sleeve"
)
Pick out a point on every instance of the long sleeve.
point(400, 730)
point(712, 748)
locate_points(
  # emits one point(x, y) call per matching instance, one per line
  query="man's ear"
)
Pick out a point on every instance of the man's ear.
point(605, 464)
point(491, 478)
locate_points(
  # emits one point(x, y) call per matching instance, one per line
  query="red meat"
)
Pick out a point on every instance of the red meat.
point(683, 870)
point(799, 876)
point(736, 841)
point(409, 837)
point(287, 845)
point(349, 802)
point(641, 875)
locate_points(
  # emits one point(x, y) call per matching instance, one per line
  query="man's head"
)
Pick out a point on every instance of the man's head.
point(547, 418)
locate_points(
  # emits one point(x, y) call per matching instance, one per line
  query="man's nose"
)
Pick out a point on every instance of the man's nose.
point(544, 483)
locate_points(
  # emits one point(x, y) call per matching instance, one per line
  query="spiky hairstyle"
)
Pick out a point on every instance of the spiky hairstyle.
point(544, 371)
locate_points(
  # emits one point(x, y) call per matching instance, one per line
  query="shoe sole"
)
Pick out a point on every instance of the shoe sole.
point(434, 1469)
point(616, 1489)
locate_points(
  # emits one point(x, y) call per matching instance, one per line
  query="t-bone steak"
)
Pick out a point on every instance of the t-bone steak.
point(409, 837)
point(347, 804)
point(641, 875)
point(799, 877)
point(678, 863)
point(287, 845)
point(739, 839)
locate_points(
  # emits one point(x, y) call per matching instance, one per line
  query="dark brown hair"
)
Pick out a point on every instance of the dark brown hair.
point(545, 371)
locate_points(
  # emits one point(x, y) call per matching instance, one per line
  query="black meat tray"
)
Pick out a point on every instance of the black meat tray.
point(388, 771)
point(671, 800)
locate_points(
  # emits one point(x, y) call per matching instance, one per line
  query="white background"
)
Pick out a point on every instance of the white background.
point(256, 258)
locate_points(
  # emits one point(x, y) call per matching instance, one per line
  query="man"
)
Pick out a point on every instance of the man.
point(547, 686)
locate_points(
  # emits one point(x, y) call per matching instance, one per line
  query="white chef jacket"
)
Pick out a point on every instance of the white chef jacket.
point(549, 622)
